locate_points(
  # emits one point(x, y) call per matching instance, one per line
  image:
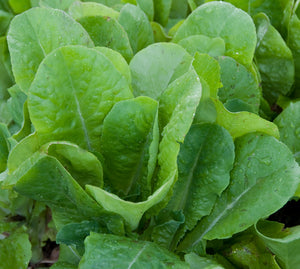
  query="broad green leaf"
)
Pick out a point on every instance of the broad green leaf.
point(5, 115)
point(130, 211)
point(109, 3)
point(274, 60)
point(15, 251)
point(129, 145)
point(137, 26)
point(289, 128)
point(237, 30)
point(241, 123)
point(159, 33)
point(162, 10)
point(238, 83)
point(178, 106)
point(248, 251)
point(179, 9)
point(196, 262)
point(204, 163)
point(283, 242)
point(84, 166)
point(29, 41)
point(112, 34)
point(6, 79)
point(118, 61)
point(203, 44)
point(4, 146)
point(156, 66)
point(208, 69)
point(68, 102)
point(293, 41)
point(80, 9)
point(265, 173)
point(110, 251)
point(58, 4)
point(148, 7)
point(16, 104)
point(5, 18)
point(19, 6)
point(74, 233)
point(278, 11)
point(68, 201)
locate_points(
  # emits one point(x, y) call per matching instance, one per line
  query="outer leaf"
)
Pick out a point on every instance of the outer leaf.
point(6, 79)
point(19, 6)
point(162, 10)
point(79, 10)
point(58, 4)
point(109, 251)
point(289, 127)
point(118, 61)
point(163, 61)
point(204, 163)
point(4, 146)
point(265, 172)
point(196, 262)
point(29, 40)
point(274, 60)
point(238, 83)
point(137, 26)
point(68, 102)
point(15, 251)
point(131, 212)
point(84, 166)
point(148, 7)
point(129, 145)
point(293, 41)
point(284, 243)
point(68, 201)
point(112, 34)
point(237, 30)
point(241, 123)
point(16, 104)
point(203, 44)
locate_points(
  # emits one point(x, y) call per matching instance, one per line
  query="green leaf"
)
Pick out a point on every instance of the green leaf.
point(204, 163)
point(15, 251)
point(118, 61)
point(129, 145)
point(75, 233)
point(19, 6)
point(264, 173)
point(130, 211)
point(148, 7)
point(29, 41)
point(58, 4)
point(283, 242)
point(196, 262)
point(6, 79)
point(84, 166)
point(237, 30)
point(179, 9)
point(159, 33)
point(162, 10)
point(293, 41)
point(57, 189)
point(274, 60)
point(241, 123)
point(163, 61)
point(5, 18)
point(137, 26)
point(238, 83)
point(289, 128)
point(4, 146)
point(16, 103)
point(109, 251)
point(203, 44)
point(90, 9)
point(248, 251)
point(68, 102)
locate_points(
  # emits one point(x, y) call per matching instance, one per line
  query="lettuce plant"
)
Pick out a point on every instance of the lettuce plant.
point(149, 134)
